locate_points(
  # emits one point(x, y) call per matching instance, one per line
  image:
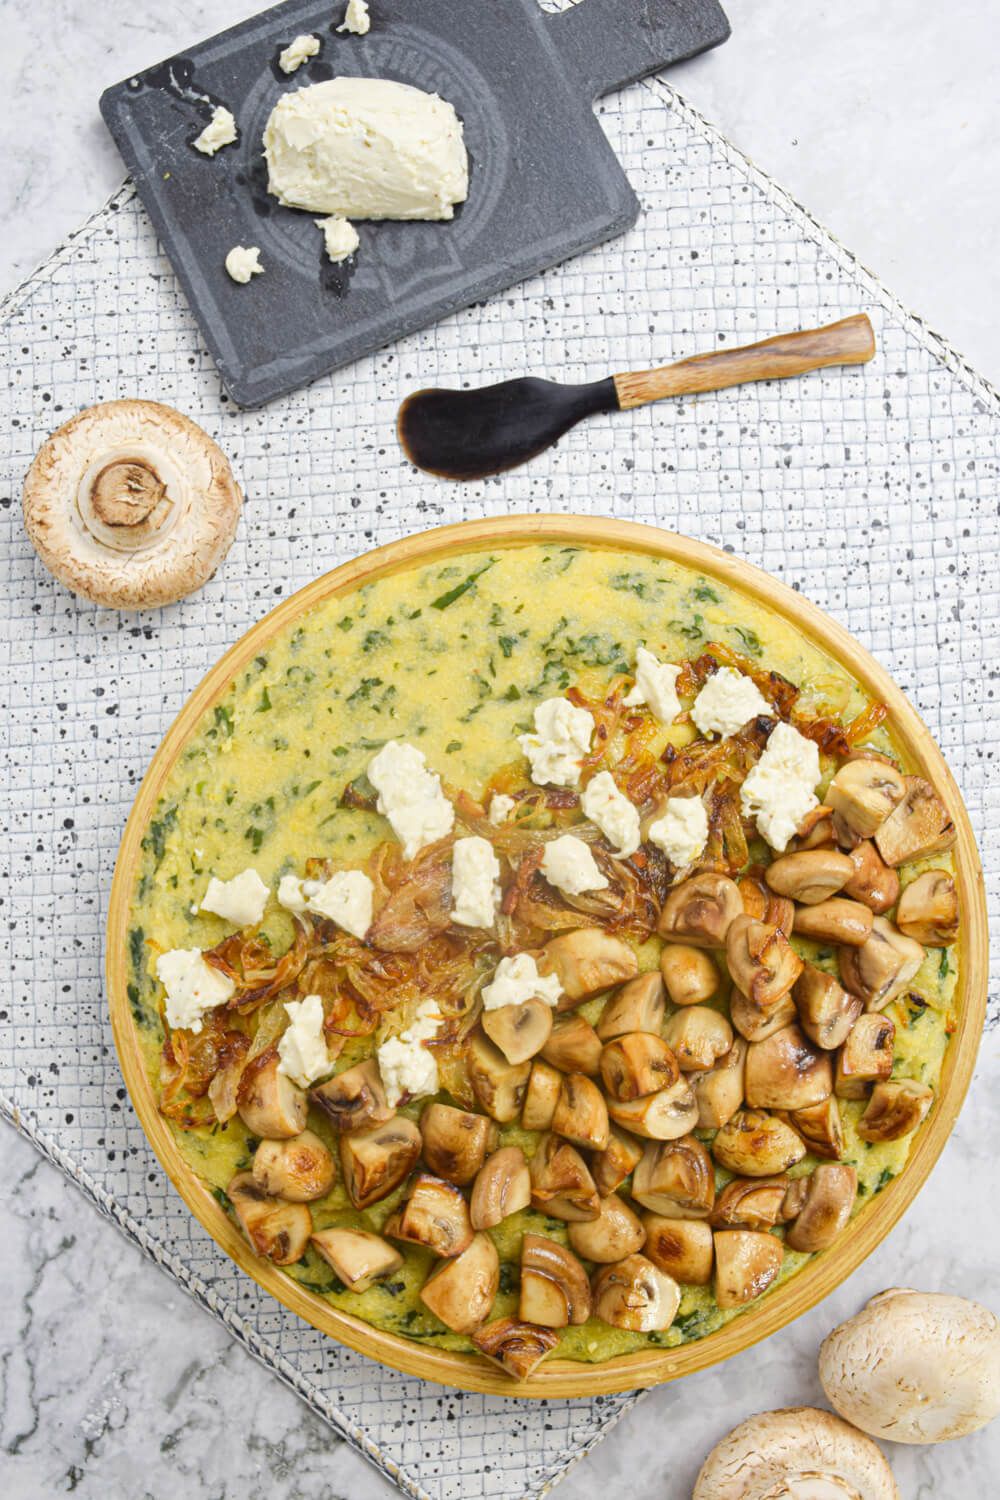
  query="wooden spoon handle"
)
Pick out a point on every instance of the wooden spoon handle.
point(849, 342)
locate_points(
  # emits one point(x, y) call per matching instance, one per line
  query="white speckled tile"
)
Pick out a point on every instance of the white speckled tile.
point(874, 492)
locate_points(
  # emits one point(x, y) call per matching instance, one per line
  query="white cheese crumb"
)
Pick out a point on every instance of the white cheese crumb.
point(410, 796)
point(192, 987)
point(561, 739)
point(682, 831)
point(655, 685)
point(220, 131)
point(501, 807)
point(570, 866)
point(779, 791)
point(475, 882)
point(292, 893)
point(240, 900)
point(339, 236)
point(242, 262)
point(356, 18)
point(613, 813)
point(297, 52)
point(406, 1065)
point(302, 1050)
point(727, 702)
point(347, 899)
point(516, 980)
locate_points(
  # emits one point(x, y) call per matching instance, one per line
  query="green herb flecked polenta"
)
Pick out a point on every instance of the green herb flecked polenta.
point(454, 657)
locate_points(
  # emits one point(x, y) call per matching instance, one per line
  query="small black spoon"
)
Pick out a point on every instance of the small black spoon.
point(471, 434)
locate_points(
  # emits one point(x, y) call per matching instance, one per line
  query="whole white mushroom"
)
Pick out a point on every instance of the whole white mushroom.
point(800, 1453)
point(915, 1367)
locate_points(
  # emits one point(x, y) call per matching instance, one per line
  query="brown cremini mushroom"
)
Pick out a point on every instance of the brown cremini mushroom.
point(689, 974)
point(675, 1179)
point(581, 1115)
point(755, 1022)
point(814, 832)
point(872, 881)
point(921, 825)
point(681, 1247)
point(461, 1291)
point(928, 910)
point(764, 904)
point(298, 1170)
point(756, 1144)
point(374, 1161)
point(616, 1232)
point(455, 1142)
point(699, 911)
point(357, 1257)
point(750, 1203)
point(499, 1085)
point(810, 876)
point(613, 1165)
point(835, 921)
point(279, 1231)
point(721, 1090)
point(787, 1072)
point(271, 1105)
point(354, 1098)
point(863, 794)
point(658, 1117)
point(541, 1096)
point(520, 1031)
point(502, 1187)
point(763, 964)
point(435, 1215)
point(573, 1047)
point(895, 1109)
point(635, 1295)
point(588, 961)
point(636, 1064)
point(561, 1184)
point(866, 1056)
point(820, 1126)
point(698, 1036)
point(555, 1291)
point(826, 1010)
point(882, 967)
point(829, 1198)
point(637, 1006)
point(746, 1263)
point(131, 504)
point(518, 1348)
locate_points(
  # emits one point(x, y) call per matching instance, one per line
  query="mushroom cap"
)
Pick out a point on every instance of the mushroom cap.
point(915, 1367)
point(799, 1453)
point(131, 504)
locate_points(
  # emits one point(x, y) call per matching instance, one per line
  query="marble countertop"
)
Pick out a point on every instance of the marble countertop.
point(884, 121)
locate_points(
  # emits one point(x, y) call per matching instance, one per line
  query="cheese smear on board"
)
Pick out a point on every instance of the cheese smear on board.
point(366, 148)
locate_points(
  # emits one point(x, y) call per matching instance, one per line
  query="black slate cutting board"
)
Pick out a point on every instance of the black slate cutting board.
point(545, 184)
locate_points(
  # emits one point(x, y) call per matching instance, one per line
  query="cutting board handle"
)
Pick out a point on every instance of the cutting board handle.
point(849, 342)
point(613, 42)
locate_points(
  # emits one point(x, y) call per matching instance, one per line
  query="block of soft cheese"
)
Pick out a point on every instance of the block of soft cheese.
point(366, 148)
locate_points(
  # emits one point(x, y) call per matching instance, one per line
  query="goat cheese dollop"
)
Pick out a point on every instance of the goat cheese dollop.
point(570, 866)
point(297, 52)
point(220, 131)
point(501, 807)
point(475, 882)
point(612, 812)
point(302, 1051)
point(356, 18)
point(339, 236)
point(366, 148)
point(192, 987)
point(727, 702)
point(780, 790)
point(681, 831)
point(240, 900)
point(242, 262)
point(560, 741)
point(410, 796)
point(406, 1065)
point(516, 980)
point(347, 898)
point(656, 686)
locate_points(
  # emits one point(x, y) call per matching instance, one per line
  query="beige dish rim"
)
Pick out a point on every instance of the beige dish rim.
point(568, 1378)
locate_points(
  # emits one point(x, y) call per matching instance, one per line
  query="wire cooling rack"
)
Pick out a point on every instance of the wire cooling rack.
point(873, 491)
